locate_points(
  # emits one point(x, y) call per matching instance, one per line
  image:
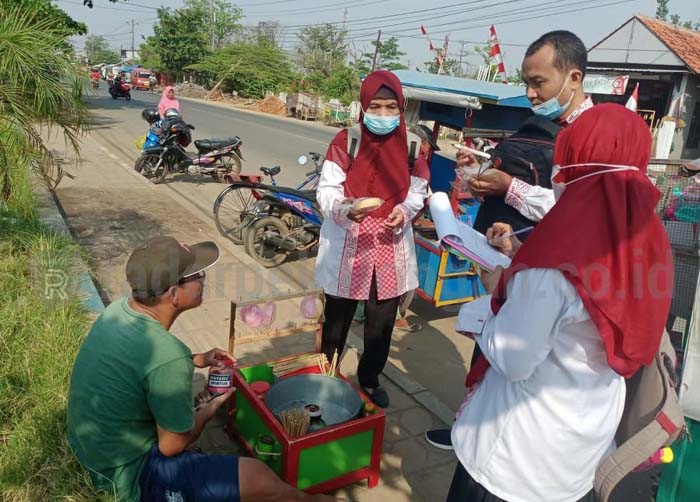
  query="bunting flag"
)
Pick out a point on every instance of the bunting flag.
point(430, 43)
point(634, 99)
point(496, 56)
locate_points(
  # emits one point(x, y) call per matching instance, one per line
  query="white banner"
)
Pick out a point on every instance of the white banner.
point(604, 84)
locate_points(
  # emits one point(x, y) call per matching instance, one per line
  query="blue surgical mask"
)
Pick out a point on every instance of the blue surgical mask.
point(551, 109)
point(381, 125)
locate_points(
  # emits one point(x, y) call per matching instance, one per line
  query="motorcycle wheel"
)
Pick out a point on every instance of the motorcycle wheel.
point(146, 166)
point(231, 208)
point(114, 96)
point(128, 97)
point(265, 254)
point(232, 163)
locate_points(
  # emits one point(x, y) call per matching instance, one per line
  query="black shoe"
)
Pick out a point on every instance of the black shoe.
point(440, 438)
point(378, 396)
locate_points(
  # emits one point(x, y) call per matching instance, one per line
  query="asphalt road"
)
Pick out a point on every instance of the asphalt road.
point(267, 140)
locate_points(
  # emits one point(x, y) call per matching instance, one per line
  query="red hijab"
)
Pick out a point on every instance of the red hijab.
point(381, 166)
point(604, 236)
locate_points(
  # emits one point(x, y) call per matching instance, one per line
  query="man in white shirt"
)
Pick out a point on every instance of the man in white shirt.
point(553, 70)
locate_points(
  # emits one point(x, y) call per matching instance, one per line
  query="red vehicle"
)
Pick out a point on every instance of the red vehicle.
point(139, 78)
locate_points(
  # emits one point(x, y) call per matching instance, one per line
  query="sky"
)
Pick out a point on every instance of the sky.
point(517, 22)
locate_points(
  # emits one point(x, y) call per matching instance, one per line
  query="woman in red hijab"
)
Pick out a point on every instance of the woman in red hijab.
point(582, 306)
point(369, 254)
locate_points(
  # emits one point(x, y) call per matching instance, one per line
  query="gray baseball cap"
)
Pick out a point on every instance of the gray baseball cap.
point(424, 133)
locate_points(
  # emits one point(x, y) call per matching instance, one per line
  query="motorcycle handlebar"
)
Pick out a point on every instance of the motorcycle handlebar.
point(190, 126)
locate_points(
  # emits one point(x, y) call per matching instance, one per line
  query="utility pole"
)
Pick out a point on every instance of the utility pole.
point(376, 50)
point(444, 54)
point(461, 54)
point(133, 59)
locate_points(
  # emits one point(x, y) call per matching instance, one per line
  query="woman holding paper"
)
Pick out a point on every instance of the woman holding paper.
point(582, 306)
point(366, 250)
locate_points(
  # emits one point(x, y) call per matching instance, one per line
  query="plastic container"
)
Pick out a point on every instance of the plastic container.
point(260, 387)
point(220, 377)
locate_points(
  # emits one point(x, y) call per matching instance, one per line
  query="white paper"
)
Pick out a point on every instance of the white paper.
point(473, 315)
point(474, 242)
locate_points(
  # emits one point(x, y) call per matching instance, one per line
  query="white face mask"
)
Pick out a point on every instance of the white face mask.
point(559, 187)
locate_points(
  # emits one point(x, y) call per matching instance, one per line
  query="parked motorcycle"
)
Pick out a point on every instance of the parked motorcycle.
point(215, 157)
point(284, 220)
point(123, 90)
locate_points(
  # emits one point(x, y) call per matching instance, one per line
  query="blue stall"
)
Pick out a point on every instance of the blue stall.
point(476, 109)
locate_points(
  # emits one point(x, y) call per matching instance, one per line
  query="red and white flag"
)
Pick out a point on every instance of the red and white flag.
point(496, 56)
point(634, 99)
point(430, 42)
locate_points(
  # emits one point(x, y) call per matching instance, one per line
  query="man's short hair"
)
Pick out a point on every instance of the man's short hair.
point(569, 51)
point(148, 299)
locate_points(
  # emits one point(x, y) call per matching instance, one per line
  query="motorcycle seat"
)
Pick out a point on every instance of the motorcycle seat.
point(209, 145)
point(304, 194)
point(271, 171)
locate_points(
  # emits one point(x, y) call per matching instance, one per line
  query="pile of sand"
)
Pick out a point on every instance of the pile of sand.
point(190, 90)
point(272, 105)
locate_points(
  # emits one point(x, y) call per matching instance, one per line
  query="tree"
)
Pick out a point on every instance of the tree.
point(450, 67)
point(662, 12)
point(662, 9)
point(178, 39)
point(249, 69)
point(40, 87)
point(45, 9)
point(322, 49)
point(388, 56)
point(150, 57)
point(222, 20)
point(266, 32)
point(98, 51)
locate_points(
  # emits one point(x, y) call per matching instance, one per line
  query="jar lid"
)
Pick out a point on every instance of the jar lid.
point(260, 387)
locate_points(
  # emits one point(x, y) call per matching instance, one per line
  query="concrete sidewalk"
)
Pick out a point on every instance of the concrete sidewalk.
point(110, 209)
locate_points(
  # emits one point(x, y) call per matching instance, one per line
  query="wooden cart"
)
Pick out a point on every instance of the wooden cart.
point(302, 106)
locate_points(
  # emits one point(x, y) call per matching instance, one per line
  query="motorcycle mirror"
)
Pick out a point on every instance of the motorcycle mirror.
point(302, 160)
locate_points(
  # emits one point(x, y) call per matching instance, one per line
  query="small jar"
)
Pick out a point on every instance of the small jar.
point(220, 377)
point(260, 387)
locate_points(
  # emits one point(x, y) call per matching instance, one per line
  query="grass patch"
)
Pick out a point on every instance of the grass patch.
point(42, 324)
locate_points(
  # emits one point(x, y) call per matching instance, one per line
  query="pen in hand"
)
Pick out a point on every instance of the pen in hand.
point(510, 234)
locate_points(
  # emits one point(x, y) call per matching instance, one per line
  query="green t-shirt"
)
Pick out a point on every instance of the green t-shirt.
point(130, 374)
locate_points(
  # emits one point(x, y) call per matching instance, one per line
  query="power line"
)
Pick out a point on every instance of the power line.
point(456, 28)
point(325, 8)
point(402, 15)
point(111, 8)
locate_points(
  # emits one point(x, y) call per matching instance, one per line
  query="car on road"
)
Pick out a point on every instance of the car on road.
point(139, 78)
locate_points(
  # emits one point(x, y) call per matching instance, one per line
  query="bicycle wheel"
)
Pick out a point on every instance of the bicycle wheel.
point(230, 210)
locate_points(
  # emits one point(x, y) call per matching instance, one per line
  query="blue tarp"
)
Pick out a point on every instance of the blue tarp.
point(487, 92)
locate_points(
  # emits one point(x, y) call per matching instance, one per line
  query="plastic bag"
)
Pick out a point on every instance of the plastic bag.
point(140, 141)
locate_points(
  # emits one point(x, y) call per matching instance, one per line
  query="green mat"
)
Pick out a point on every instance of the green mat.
point(680, 480)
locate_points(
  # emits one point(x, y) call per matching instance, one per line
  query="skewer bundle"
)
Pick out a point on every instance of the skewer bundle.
point(288, 366)
point(333, 369)
point(295, 421)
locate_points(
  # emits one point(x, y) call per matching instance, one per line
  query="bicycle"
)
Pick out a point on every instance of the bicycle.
point(237, 200)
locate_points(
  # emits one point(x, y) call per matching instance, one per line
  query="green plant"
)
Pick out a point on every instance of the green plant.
point(41, 92)
point(40, 332)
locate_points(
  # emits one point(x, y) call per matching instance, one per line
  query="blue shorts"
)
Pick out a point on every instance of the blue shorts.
point(189, 477)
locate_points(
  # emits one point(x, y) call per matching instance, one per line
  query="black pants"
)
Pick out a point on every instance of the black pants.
point(381, 315)
point(465, 489)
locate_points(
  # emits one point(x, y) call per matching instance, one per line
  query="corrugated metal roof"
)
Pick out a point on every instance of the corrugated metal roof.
point(489, 92)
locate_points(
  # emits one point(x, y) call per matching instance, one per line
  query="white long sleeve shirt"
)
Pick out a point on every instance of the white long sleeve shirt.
point(342, 255)
point(546, 412)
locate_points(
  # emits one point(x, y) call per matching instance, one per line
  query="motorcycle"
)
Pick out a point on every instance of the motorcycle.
point(95, 83)
point(284, 220)
point(123, 90)
point(214, 157)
